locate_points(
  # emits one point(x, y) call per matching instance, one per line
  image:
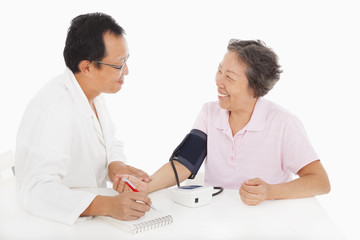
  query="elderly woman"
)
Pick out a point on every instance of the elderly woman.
point(252, 144)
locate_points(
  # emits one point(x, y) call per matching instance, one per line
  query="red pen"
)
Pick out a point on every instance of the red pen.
point(132, 186)
point(129, 184)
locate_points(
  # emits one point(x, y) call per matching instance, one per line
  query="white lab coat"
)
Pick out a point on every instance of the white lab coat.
point(61, 145)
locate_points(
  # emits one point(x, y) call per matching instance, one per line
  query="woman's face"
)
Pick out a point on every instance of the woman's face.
point(233, 87)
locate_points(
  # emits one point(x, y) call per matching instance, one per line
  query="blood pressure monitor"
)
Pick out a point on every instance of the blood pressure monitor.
point(192, 195)
point(191, 153)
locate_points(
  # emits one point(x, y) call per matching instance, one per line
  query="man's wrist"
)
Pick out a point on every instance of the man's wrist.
point(98, 207)
point(117, 164)
point(114, 168)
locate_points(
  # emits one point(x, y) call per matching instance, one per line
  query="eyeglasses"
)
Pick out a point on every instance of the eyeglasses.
point(115, 66)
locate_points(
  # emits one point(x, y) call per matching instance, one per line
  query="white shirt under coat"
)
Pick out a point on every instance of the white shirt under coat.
point(62, 145)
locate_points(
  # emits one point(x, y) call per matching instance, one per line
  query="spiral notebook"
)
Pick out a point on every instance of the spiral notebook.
point(152, 219)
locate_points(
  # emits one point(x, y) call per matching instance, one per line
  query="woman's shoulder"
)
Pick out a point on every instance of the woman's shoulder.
point(279, 113)
point(212, 109)
point(212, 106)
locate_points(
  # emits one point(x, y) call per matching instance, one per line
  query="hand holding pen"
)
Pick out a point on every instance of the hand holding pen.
point(132, 187)
point(130, 183)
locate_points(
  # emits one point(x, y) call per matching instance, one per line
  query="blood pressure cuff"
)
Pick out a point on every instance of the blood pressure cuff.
point(192, 151)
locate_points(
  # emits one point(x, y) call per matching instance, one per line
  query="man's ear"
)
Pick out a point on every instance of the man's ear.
point(84, 66)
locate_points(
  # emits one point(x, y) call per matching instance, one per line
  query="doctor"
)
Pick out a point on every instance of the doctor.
point(66, 137)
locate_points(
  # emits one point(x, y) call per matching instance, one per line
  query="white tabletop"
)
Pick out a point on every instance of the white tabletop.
point(226, 217)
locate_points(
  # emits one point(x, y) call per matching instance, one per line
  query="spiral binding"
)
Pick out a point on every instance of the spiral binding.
point(154, 223)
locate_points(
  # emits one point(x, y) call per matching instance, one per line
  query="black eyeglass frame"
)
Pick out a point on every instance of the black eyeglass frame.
point(113, 65)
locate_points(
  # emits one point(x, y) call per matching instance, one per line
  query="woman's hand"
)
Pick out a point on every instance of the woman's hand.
point(254, 191)
point(120, 185)
point(118, 167)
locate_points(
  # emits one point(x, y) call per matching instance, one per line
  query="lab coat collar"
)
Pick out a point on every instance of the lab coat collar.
point(76, 92)
point(82, 102)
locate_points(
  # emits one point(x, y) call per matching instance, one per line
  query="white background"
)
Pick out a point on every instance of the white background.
point(175, 47)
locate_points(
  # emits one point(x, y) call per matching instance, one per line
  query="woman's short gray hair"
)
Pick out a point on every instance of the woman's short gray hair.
point(263, 70)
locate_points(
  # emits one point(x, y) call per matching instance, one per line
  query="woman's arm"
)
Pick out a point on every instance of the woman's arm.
point(165, 176)
point(162, 178)
point(312, 181)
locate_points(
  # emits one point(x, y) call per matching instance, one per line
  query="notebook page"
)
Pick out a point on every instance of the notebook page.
point(152, 219)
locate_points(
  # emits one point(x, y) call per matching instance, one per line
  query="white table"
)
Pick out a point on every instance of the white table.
point(225, 218)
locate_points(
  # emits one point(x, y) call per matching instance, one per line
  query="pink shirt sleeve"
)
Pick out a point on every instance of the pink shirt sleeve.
point(201, 120)
point(297, 151)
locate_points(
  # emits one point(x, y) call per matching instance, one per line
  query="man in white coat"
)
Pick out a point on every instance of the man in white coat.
point(66, 137)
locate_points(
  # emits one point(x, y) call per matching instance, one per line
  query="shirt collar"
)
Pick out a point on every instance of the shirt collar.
point(78, 94)
point(257, 120)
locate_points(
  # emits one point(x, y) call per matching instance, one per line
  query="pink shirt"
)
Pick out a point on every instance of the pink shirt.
point(272, 146)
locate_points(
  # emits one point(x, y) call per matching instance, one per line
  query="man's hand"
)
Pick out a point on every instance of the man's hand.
point(118, 167)
point(254, 191)
point(129, 205)
point(125, 206)
point(120, 185)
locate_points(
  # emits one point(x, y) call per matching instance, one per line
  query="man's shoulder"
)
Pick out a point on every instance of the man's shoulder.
point(52, 96)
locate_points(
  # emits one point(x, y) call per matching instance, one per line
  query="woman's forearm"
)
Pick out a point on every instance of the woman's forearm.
point(307, 185)
point(165, 176)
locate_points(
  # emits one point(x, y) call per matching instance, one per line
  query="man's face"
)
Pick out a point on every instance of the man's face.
point(108, 79)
